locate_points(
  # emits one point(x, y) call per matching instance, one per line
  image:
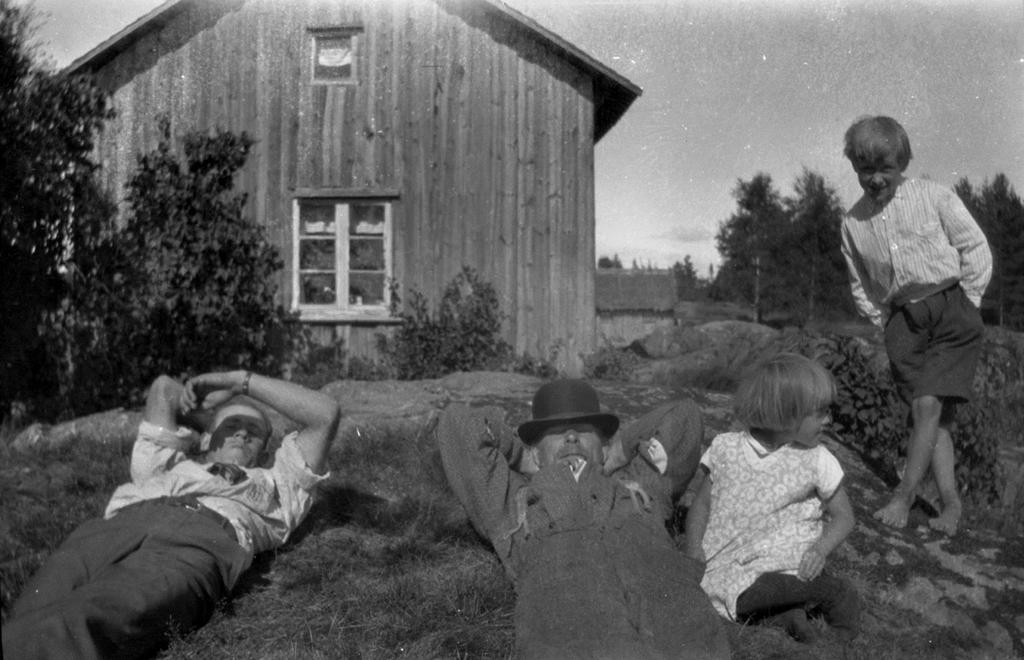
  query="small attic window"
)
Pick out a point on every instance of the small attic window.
point(334, 55)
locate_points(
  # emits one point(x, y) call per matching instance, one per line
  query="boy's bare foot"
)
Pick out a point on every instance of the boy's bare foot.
point(895, 513)
point(948, 521)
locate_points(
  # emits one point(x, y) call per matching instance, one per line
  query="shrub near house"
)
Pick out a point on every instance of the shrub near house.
point(47, 125)
point(463, 335)
point(187, 284)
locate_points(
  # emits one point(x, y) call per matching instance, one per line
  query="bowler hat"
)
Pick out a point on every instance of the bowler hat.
point(563, 402)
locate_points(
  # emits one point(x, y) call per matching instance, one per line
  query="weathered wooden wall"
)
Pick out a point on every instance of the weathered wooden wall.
point(482, 135)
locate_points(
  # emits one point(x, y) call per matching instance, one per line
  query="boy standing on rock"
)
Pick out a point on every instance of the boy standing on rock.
point(918, 265)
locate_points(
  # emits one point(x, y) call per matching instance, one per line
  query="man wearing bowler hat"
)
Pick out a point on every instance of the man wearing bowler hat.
point(575, 509)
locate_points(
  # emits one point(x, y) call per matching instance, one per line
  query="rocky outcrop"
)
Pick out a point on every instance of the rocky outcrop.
point(682, 354)
point(972, 583)
point(720, 336)
point(116, 426)
point(392, 405)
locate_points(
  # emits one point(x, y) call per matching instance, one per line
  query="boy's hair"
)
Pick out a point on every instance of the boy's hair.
point(868, 138)
point(778, 393)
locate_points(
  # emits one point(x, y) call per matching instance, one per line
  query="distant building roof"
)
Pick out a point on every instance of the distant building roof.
point(613, 92)
point(617, 290)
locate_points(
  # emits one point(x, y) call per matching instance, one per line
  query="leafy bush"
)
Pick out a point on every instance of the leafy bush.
point(185, 286)
point(610, 363)
point(360, 368)
point(464, 333)
point(869, 414)
point(996, 413)
point(315, 365)
point(977, 449)
point(47, 126)
point(531, 366)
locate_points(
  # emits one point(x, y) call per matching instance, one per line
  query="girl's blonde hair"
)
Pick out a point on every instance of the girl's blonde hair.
point(870, 138)
point(780, 392)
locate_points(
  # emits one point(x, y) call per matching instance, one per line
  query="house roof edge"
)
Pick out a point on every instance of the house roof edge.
point(613, 92)
point(116, 43)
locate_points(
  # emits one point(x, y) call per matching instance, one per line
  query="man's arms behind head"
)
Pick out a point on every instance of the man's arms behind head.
point(171, 404)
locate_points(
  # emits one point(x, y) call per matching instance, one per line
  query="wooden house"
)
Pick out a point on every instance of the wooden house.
point(633, 303)
point(396, 140)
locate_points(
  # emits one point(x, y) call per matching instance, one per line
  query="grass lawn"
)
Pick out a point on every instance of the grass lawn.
point(385, 566)
point(366, 575)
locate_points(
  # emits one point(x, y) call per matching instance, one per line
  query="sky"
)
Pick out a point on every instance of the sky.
point(732, 88)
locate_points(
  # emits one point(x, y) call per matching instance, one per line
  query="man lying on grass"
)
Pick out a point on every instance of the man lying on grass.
point(174, 541)
point(578, 521)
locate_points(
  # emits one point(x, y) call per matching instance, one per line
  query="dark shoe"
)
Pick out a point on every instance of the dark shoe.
point(842, 610)
point(795, 623)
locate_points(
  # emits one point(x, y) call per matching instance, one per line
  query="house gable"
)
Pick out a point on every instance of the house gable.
point(471, 127)
point(613, 92)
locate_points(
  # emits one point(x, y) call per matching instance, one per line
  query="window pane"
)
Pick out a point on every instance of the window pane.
point(318, 288)
point(366, 254)
point(366, 219)
point(316, 255)
point(366, 288)
point(316, 218)
point(332, 58)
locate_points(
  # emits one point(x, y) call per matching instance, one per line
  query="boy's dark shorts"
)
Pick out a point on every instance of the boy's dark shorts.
point(934, 346)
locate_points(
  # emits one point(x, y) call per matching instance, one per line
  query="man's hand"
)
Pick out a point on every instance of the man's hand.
point(207, 391)
point(620, 454)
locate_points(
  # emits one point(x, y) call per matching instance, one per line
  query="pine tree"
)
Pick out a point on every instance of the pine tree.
point(687, 282)
point(813, 255)
point(747, 242)
point(1000, 214)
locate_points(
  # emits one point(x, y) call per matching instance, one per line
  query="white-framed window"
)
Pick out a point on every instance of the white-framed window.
point(341, 251)
point(334, 55)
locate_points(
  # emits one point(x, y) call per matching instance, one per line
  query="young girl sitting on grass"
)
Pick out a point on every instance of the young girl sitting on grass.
point(757, 520)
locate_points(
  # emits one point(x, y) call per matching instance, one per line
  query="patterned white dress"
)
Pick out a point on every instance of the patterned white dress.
point(766, 510)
